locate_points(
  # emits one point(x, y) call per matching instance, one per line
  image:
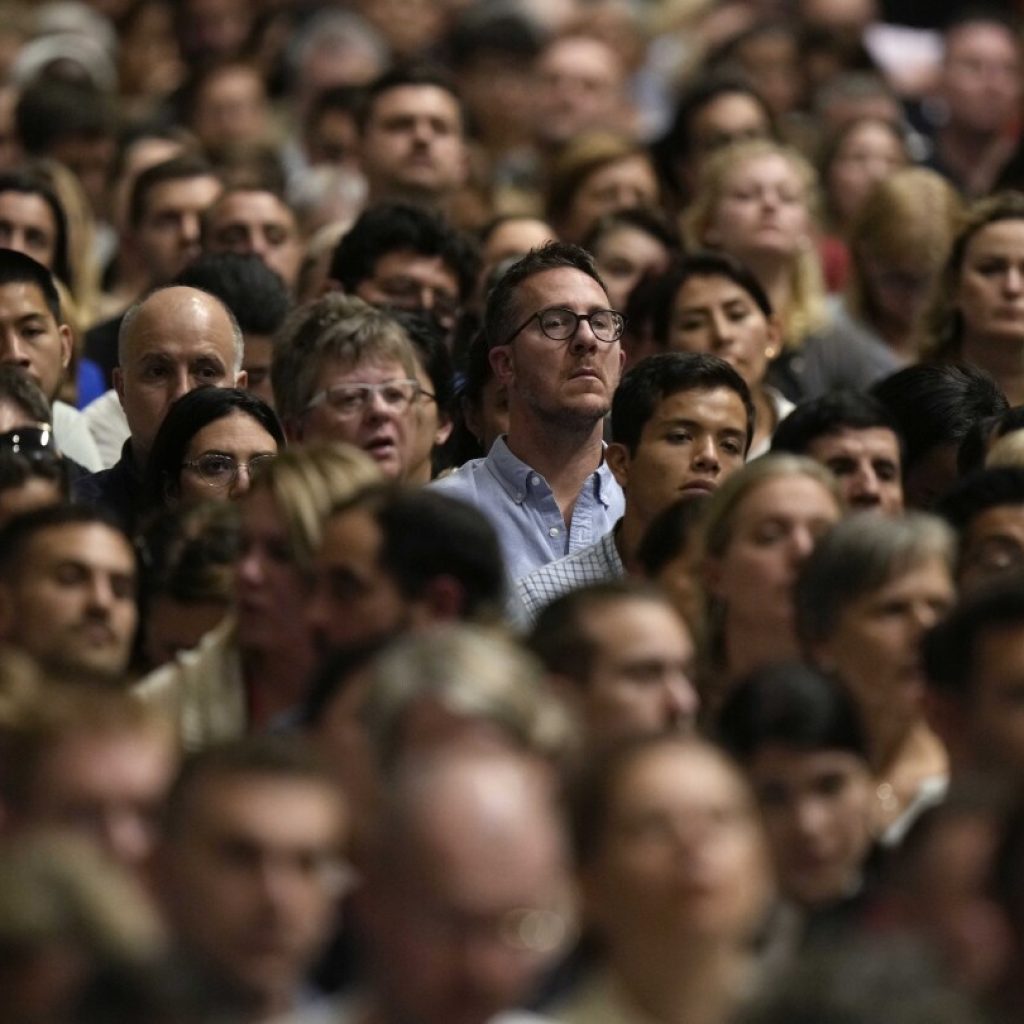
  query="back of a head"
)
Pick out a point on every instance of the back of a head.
point(245, 284)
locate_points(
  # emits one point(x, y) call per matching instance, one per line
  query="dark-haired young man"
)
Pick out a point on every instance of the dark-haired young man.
point(852, 434)
point(681, 424)
point(555, 345)
point(400, 256)
point(67, 590)
point(412, 138)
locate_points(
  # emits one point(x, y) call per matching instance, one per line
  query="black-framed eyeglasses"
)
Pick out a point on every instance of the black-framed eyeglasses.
point(560, 324)
point(349, 400)
point(218, 469)
point(35, 442)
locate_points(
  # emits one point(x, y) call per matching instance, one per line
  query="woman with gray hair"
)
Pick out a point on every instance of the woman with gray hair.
point(864, 599)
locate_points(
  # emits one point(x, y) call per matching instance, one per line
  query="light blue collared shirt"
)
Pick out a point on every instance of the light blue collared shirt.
point(523, 510)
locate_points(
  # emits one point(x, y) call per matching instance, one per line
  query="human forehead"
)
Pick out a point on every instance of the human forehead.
point(425, 269)
point(981, 38)
point(648, 623)
point(29, 205)
point(336, 370)
point(181, 193)
point(350, 534)
point(181, 324)
point(765, 167)
point(1006, 234)
point(857, 440)
point(712, 289)
point(791, 496)
point(581, 57)
point(23, 298)
point(252, 205)
point(277, 812)
point(722, 404)
point(561, 286)
point(94, 544)
point(406, 100)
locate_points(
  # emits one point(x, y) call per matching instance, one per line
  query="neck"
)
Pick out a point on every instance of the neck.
point(764, 423)
point(628, 534)
point(276, 678)
point(774, 277)
point(563, 456)
point(1001, 358)
point(681, 983)
point(753, 644)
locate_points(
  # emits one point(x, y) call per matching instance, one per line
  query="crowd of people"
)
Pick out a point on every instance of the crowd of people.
point(511, 511)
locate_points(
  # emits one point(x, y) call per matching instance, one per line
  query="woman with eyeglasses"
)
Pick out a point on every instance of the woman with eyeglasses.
point(209, 446)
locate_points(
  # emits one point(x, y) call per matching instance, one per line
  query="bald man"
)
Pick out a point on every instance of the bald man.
point(466, 892)
point(174, 340)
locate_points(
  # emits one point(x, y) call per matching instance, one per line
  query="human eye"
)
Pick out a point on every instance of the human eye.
point(215, 466)
point(208, 372)
point(122, 586)
point(769, 531)
point(70, 574)
point(605, 320)
point(276, 234)
point(885, 470)
point(733, 445)
point(679, 435)
point(737, 311)
point(349, 398)
point(557, 320)
point(154, 371)
point(841, 466)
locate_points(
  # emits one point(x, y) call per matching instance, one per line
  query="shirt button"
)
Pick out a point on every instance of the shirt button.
point(553, 532)
point(534, 479)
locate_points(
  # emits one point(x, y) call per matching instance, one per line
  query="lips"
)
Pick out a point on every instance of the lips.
point(700, 487)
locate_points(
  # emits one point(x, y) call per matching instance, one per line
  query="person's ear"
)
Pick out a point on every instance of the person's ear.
point(502, 364)
point(443, 600)
point(773, 346)
point(67, 345)
point(241, 379)
point(444, 430)
point(618, 458)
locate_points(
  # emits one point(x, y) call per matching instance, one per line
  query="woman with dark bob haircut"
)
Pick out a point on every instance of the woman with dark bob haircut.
point(208, 447)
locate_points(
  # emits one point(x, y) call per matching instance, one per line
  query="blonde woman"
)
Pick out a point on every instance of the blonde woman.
point(899, 242)
point(759, 528)
point(255, 666)
point(758, 201)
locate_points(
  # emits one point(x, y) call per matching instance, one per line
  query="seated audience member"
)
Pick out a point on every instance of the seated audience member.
point(374, 707)
point(249, 871)
point(258, 299)
point(345, 371)
point(173, 341)
point(258, 222)
point(852, 434)
point(554, 343)
point(711, 303)
point(681, 424)
point(211, 444)
point(466, 891)
point(973, 663)
point(594, 174)
point(987, 511)
point(620, 654)
point(864, 599)
point(164, 225)
point(965, 324)
point(669, 556)
point(798, 737)
point(935, 407)
point(254, 667)
point(676, 880)
point(507, 238)
point(712, 113)
point(90, 761)
point(37, 341)
point(436, 400)
point(391, 560)
point(629, 244)
point(412, 138)
point(187, 584)
point(70, 920)
point(67, 591)
point(759, 527)
point(400, 256)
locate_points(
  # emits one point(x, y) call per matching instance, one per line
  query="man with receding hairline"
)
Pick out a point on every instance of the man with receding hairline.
point(173, 341)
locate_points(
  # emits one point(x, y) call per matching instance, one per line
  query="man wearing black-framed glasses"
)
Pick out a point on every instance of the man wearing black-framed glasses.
point(556, 346)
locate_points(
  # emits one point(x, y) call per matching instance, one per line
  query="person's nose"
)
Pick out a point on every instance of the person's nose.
point(680, 701)
point(801, 544)
point(242, 481)
point(1013, 280)
point(126, 837)
point(190, 229)
point(584, 340)
point(865, 487)
point(249, 568)
point(705, 454)
point(810, 817)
